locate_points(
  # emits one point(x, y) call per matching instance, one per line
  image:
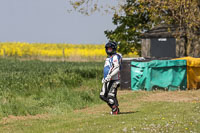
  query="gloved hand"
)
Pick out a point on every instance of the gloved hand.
point(102, 81)
point(107, 79)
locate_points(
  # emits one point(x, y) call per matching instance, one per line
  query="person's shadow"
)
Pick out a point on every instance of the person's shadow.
point(130, 112)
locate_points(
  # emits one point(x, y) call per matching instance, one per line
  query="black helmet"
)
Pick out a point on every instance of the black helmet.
point(112, 45)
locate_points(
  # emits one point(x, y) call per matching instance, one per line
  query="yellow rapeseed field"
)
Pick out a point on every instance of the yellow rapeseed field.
point(22, 49)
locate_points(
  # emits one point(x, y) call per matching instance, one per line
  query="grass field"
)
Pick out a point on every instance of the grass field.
point(59, 97)
point(173, 112)
point(34, 87)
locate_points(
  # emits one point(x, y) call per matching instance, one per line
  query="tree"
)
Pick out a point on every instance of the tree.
point(130, 24)
point(130, 20)
point(88, 7)
point(183, 14)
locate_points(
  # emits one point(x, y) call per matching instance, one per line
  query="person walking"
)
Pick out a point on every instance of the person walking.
point(111, 79)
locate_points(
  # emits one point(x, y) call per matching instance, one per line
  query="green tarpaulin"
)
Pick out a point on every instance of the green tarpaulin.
point(159, 74)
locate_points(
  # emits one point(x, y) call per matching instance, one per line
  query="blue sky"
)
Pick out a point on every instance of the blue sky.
point(47, 21)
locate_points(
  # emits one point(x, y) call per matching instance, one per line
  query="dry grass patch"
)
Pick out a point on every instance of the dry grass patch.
point(12, 118)
point(174, 96)
point(129, 104)
point(126, 104)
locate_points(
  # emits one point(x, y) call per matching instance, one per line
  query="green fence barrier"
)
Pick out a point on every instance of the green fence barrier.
point(159, 74)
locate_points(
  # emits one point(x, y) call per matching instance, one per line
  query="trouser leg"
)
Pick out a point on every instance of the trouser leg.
point(104, 93)
point(109, 93)
point(112, 94)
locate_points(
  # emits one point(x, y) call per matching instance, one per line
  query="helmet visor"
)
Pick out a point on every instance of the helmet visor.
point(110, 50)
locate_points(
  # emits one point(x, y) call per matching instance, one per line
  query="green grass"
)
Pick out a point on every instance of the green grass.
point(59, 97)
point(137, 116)
point(34, 87)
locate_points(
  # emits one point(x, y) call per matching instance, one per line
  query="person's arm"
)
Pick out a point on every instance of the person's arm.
point(115, 66)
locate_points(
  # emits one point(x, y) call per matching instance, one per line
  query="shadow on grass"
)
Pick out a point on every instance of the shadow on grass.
point(130, 112)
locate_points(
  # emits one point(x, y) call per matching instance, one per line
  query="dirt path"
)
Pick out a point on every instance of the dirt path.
point(174, 96)
point(12, 118)
point(127, 103)
point(132, 104)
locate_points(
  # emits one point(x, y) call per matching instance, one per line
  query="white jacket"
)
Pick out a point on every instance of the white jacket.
point(112, 66)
